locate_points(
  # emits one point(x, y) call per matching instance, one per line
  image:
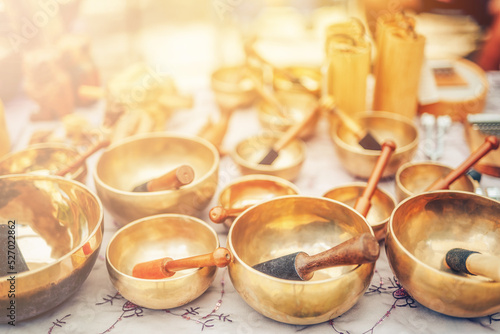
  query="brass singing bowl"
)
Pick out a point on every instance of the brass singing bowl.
point(414, 177)
point(232, 87)
point(382, 204)
point(43, 159)
point(138, 159)
point(298, 79)
point(249, 152)
point(58, 231)
point(285, 225)
point(249, 190)
point(423, 228)
point(382, 125)
point(295, 107)
point(166, 235)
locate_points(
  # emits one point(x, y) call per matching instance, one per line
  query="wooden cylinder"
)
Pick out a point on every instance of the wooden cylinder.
point(398, 65)
point(346, 71)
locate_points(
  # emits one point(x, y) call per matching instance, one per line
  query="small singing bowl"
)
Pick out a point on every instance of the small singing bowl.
point(56, 225)
point(167, 235)
point(232, 87)
point(382, 125)
point(249, 152)
point(249, 190)
point(138, 159)
point(43, 159)
point(423, 228)
point(296, 106)
point(414, 177)
point(382, 204)
point(285, 225)
point(298, 79)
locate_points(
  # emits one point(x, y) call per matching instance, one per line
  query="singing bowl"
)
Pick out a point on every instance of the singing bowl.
point(423, 228)
point(58, 231)
point(359, 161)
point(232, 87)
point(165, 235)
point(43, 159)
point(296, 105)
point(382, 204)
point(137, 159)
point(249, 152)
point(249, 190)
point(414, 177)
point(285, 225)
point(298, 79)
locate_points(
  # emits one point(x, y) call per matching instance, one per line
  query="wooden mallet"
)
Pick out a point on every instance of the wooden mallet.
point(166, 267)
point(473, 263)
point(174, 179)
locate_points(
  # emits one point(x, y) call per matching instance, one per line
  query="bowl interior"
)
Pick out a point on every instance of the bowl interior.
point(170, 235)
point(140, 159)
point(429, 225)
point(254, 189)
point(288, 224)
point(250, 152)
point(53, 216)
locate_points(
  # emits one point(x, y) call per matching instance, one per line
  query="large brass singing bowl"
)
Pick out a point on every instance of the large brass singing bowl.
point(140, 158)
point(249, 190)
point(250, 151)
point(285, 225)
point(382, 204)
point(382, 125)
point(414, 177)
point(295, 107)
point(58, 231)
point(420, 232)
point(43, 159)
point(166, 235)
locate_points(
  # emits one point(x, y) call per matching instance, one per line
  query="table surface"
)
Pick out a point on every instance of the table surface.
point(385, 308)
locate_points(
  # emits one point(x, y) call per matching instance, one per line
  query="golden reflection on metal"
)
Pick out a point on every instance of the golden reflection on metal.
point(59, 227)
point(420, 232)
point(166, 235)
point(250, 151)
point(285, 225)
point(233, 88)
point(413, 178)
point(382, 204)
point(138, 159)
point(382, 125)
point(43, 159)
point(252, 189)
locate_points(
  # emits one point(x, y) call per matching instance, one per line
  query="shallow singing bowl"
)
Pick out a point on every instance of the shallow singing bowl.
point(136, 160)
point(249, 190)
point(167, 235)
point(43, 159)
point(420, 232)
point(382, 204)
point(382, 125)
point(285, 225)
point(295, 107)
point(58, 231)
point(414, 177)
point(232, 87)
point(249, 152)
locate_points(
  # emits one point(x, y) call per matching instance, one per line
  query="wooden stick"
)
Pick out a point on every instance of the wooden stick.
point(82, 158)
point(174, 179)
point(166, 267)
point(473, 263)
point(490, 143)
point(363, 203)
point(218, 213)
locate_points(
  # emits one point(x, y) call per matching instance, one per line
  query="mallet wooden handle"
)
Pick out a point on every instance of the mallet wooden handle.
point(490, 143)
point(218, 213)
point(474, 263)
point(174, 179)
point(166, 267)
point(363, 248)
point(354, 127)
point(83, 157)
point(363, 203)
